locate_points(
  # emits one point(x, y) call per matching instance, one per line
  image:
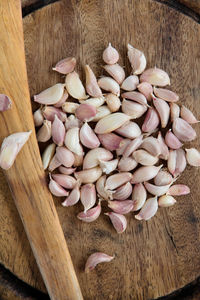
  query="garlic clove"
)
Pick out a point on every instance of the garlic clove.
point(65, 156)
point(156, 190)
point(5, 103)
point(49, 113)
point(180, 162)
point(72, 122)
point(183, 131)
point(91, 214)
point(148, 210)
point(85, 112)
point(88, 196)
point(92, 87)
point(123, 192)
point(102, 192)
point(88, 138)
point(113, 102)
point(127, 164)
point(51, 95)
point(188, 116)
point(44, 133)
point(130, 130)
point(155, 76)
point(163, 110)
point(132, 146)
point(110, 141)
point(37, 117)
point(163, 178)
point(75, 87)
point(66, 171)
point(58, 131)
point(65, 181)
point(89, 176)
point(139, 196)
point(78, 160)
point(108, 166)
point(110, 85)
point(144, 158)
point(70, 107)
point(193, 157)
point(171, 162)
point(137, 59)
point(54, 163)
point(96, 258)
point(151, 145)
point(121, 207)
point(178, 190)
point(93, 156)
point(164, 151)
point(135, 96)
point(73, 197)
point(102, 112)
point(110, 55)
point(151, 120)
point(172, 141)
point(174, 111)
point(119, 221)
point(116, 71)
point(62, 100)
point(48, 154)
point(133, 109)
point(165, 94)
point(122, 146)
point(116, 180)
point(146, 89)
point(130, 83)
point(65, 65)
point(145, 173)
point(96, 102)
point(72, 141)
point(56, 189)
point(166, 201)
point(111, 123)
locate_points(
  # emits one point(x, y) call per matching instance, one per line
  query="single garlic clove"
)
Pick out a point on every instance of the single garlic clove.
point(130, 83)
point(90, 215)
point(165, 94)
point(49, 113)
point(73, 197)
point(65, 181)
point(72, 141)
point(166, 201)
point(10, 148)
point(70, 107)
point(151, 145)
point(122, 146)
point(172, 141)
point(108, 166)
point(164, 151)
point(110, 141)
point(146, 89)
point(156, 190)
point(89, 176)
point(178, 190)
point(188, 116)
point(183, 131)
point(171, 162)
point(88, 196)
point(37, 117)
point(130, 130)
point(58, 131)
point(148, 210)
point(119, 221)
point(174, 111)
point(65, 156)
point(72, 122)
point(180, 162)
point(132, 146)
point(78, 160)
point(96, 102)
point(155, 76)
point(65, 65)
point(139, 196)
point(110, 85)
point(111, 122)
point(116, 71)
point(56, 189)
point(92, 87)
point(163, 110)
point(88, 138)
point(123, 192)
point(102, 112)
point(102, 192)
point(116, 180)
point(85, 112)
point(137, 59)
point(144, 158)
point(66, 171)
point(145, 173)
point(110, 55)
point(5, 103)
point(62, 100)
point(135, 96)
point(193, 157)
point(54, 163)
point(44, 133)
point(127, 164)
point(133, 109)
point(113, 102)
point(93, 156)
point(48, 154)
point(75, 87)
point(96, 258)
point(51, 95)
point(163, 178)
point(151, 120)
point(121, 207)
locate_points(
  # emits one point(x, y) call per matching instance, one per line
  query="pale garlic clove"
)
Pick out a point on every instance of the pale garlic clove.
point(65, 181)
point(121, 207)
point(188, 116)
point(108, 166)
point(85, 112)
point(130, 130)
point(116, 180)
point(130, 83)
point(51, 95)
point(174, 111)
point(66, 171)
point(89, 176)
point(137, 59)
point(183, 131)
point(139, 196)
point(72, 141)
point(144, 158)
point(96, 102)
point(135, 96)
point(96, 258)
point(171, 162)
point(88, 196)
point(78, 160)
point(93, 156)
point(122, 146)
point(91, 214)
point(110, 85)
point(62, 100)
point(10, 148)
point(166, 201)
point(133, 109)
point(110, 55)
point(111, 123)
point(172, 141)
point(73, 197)
point(72, 122)
point(113, 102)
point(193, 157)
point(102, 112)
point(110, 141)
point(70, 107)
point(119, 221)
point(92, 87)
point(156, 190)
point(49, 113)
point(146, 89)
point(102, 192)
point(48, 154)
point(180, 162)
point(65, 156)
point(37, 117)
point(54, 164)
point(116, 71)
point(163, 110)
point(65, 65)
point(132, 146)
point(5, 103)
point(151, 145)
point(155, 76)
point(163, 178)
point(127, 164)
point(58, 131)
point(178, 190)
point(88, 138)
point(165, 94)
point(145, 173)
point(148, 210)
point(74, 86)
point(56, 189)
point(123, 192)
point(151, 120)
point(44, 133)
point(164, 151)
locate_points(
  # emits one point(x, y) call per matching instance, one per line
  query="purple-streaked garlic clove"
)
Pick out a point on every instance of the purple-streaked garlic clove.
point(130, 130)
point(116, 71)
point(171, 162)
point(127, 164)
point(88, 196)
point(97, 102)
point(65, 65)
point(108, 167)
point(78, 160)
point(145, 173)
point(151, 145)
point(165, 94)
point(133, 109)
point(166, 201)
point(66, 171)
point(111, 123)
point(130, 84)
point(72, 141)
point(70, 107)
point(139, 196)
point(135, 96)
point(151, 120)
point(58, 131)
point(93, 156)
point(56, 189)
point(65, 181)
point(44, 133)
point(124, 143)
point(163, 178)
point(95, 259)
point(146, 89)
point(119, 221)
point(62, 100)
point(110, 141)
point(172, 141)
point(88, 138)
point(183, 131)
point(110, 55)
point(49, 113)
point(144, 158)
point(163, 110)
point(123, 192)
point(113, 102)
point(102, 192)
point(38, 117)
point(188, 116)
point(164, 151)
point(92, 87)
point(5, 103)
point(156, 190)
point(193, 157)
point(116, 180)
point(90, 215)
point(102, 112)
point(51, 95)
point(47, 155)
point(73, 197)
point(85, 112)
point(132, 146)
point(178, 190)
point(72, 122)
point(110, 85)
point(137, 60)
point(54, 163)
point(89, 176)
point(155, 76)
point(121, 207)
point(148, 210)
point(174, 111)
point(65, 156)
point(74, 86)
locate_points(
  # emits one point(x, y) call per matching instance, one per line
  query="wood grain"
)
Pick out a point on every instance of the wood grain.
point(154, 258)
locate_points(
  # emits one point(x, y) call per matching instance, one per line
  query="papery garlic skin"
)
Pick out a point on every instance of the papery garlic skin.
point(96, 258)
point(193, 157)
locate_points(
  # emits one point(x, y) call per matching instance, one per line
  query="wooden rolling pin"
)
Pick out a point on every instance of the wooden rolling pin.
point(26, 177)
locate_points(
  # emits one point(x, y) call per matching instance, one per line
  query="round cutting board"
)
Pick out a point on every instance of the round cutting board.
point(153, 258)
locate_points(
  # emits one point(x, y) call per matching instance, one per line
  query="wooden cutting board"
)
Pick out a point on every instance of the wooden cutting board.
point(153, 258)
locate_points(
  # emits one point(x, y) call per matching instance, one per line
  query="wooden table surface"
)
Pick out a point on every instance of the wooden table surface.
point(11, 288)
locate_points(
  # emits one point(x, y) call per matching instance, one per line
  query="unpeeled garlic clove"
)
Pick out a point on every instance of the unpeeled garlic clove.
point(171, 162)
point(132, 146)
point(65, 181)
point(56, 189)
point(121, 207)
point(166, 201)
point(127, 164)
point(65, 65)
point(102, 112)
point(174, 111)
point(172, 141)
point(91, 214)
point(135, 96)
point(75, 87)
point(151, 145)
point(72, 141)
point(78, 160)
point(180, 162)
point(123, 192)
point(130, 130)
point(44, 133)
point(151, 120)
point(110, 55)
point(139, 196)
point(88, 196)
point(92, 87)
point(122, 146)
point(156, 190)
point(163, 110)
point(93, 156)
point(85, 112)
point(88, 138)
point(119, 221)
point(65, 156)
point(10, 148)
point(183, 131)
point(110, 85)
point(47, 155)
point(51, 95)
point(96, 258)
point(193, 157)
point(102, 192)
point(178, 190)
point(89, 176)
point(66, 171)
point(54, 163)
point(62, 100)
point(110, 141)
point(73, 197)
point(137, 59)
point(108, 166)
point(146, 89)
point(116, 180)
point(37, 117)
point(72, 122)
point(155, 76)
point(133, 109)
point(163, 178)
point(148, 210)
point(111, 123)
point(164, 151)
point(97, 102)
point(145, 173)
point(116, 71)
point(49, 113)
point(188, 116)
point(130, 83)
point(70, 107)
point(58, 131)
point(113, 102)
point(144, 158)
point(5, 103)
point(165, 94)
